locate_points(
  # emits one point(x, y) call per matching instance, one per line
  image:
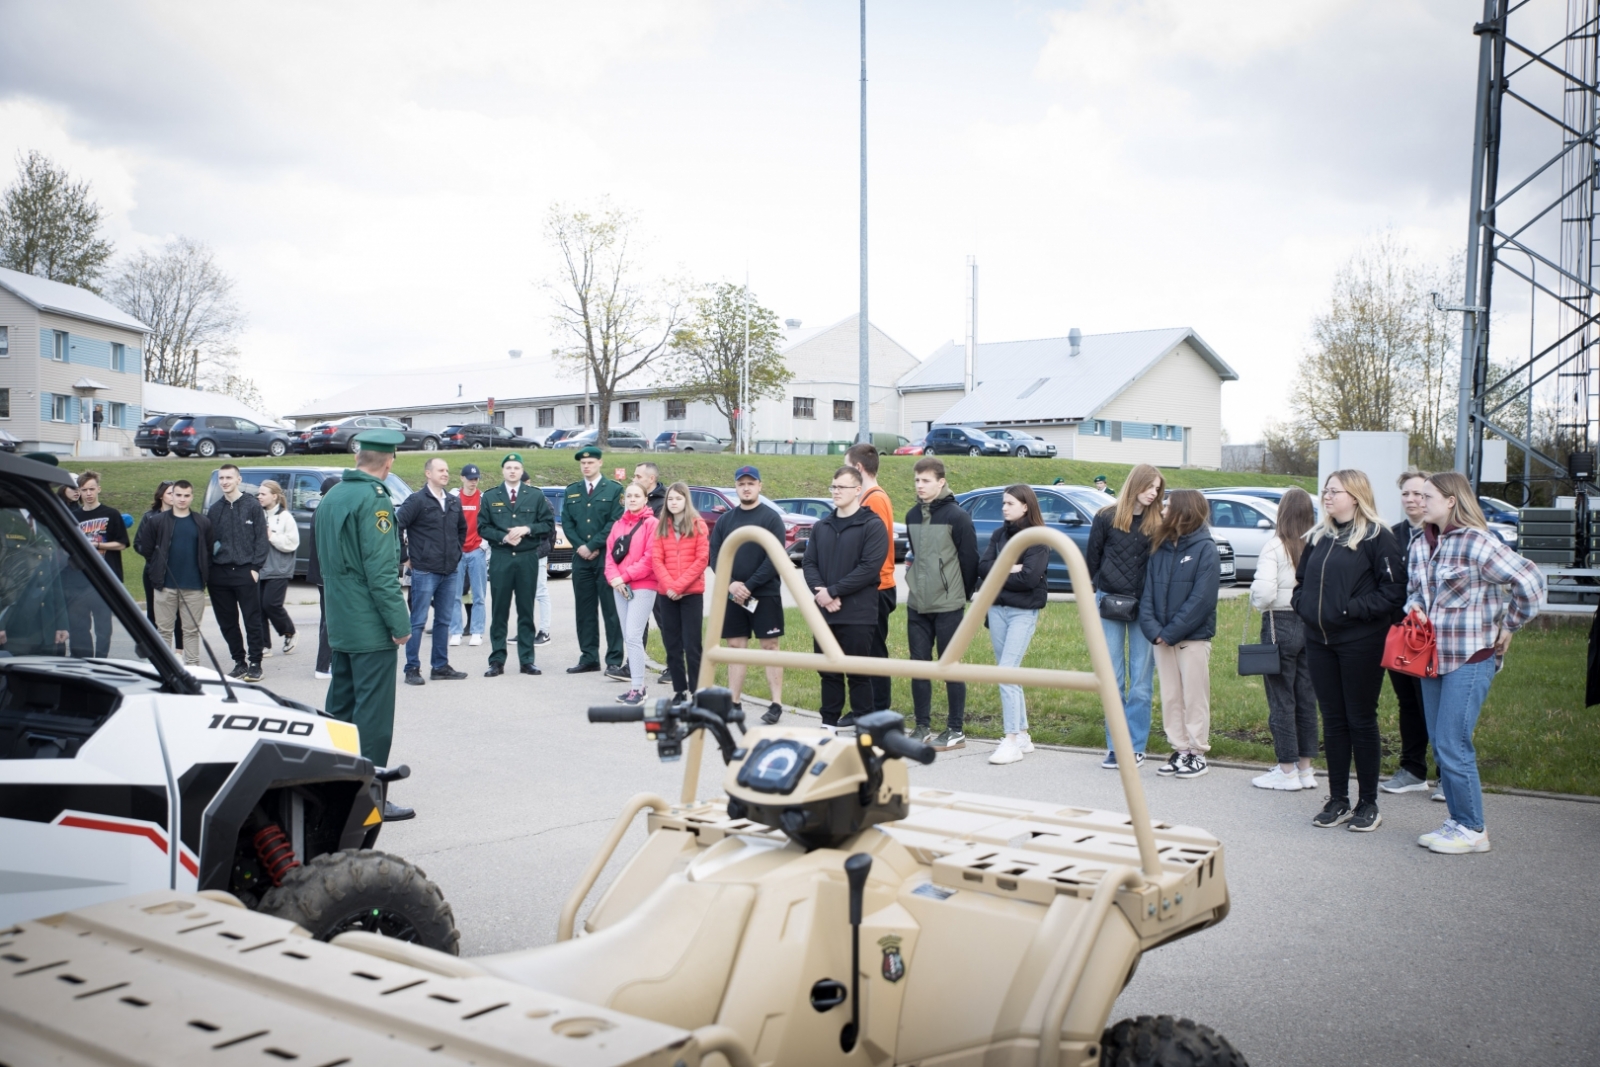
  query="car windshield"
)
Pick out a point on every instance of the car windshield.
point(1498, 505)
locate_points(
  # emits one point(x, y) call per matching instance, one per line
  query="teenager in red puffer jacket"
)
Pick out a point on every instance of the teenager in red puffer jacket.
point(633, 581)
point(679, 559)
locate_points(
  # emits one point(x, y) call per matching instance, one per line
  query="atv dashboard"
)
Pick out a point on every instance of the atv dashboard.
point(50, 707)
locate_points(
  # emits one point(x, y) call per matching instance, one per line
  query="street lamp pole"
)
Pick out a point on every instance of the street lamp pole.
point(864, 389)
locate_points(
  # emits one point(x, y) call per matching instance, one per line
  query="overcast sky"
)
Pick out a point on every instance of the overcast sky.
point(375, 175)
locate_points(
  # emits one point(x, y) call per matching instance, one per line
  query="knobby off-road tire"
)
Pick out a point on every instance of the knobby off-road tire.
point(365, 890)
point(1162, 1041)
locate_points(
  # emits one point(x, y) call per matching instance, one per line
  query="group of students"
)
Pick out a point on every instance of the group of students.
point(1329, 589)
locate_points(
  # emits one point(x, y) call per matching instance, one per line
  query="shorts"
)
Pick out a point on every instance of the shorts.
point(764, 622)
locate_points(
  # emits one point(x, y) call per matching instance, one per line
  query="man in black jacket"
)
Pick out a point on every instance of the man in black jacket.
point(176, 546)
point(434, 528)
point(842, 563)
point(239, 551)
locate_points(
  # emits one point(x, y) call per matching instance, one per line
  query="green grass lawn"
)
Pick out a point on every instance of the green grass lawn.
point(129, 484)
point(1534, 732)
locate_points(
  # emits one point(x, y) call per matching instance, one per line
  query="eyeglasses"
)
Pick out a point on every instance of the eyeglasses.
point(1334, 492)
point(842, 488)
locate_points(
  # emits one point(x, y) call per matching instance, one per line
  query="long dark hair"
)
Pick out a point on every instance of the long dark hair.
point(161, 491)
point(1296, 516)
point(1031, 515)
point(1187, 511)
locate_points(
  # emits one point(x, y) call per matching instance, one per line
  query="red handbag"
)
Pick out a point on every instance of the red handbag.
point(1411, 648)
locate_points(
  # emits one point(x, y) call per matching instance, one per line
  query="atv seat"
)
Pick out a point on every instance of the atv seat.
point(668, 960)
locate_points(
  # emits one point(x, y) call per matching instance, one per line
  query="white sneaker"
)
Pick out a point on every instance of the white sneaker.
point(1438, 793)
point(1277, 779)
point(324, 675)
point(1308, 777)
point(475, 639)
point(1008, 751)
point(455, 639)
point(266, 651)
point(1428, 839)
point(1456, 840)
point(1024, 742)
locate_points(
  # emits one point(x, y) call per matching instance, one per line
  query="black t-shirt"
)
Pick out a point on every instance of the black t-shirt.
point(750, 564)
point(103, 524)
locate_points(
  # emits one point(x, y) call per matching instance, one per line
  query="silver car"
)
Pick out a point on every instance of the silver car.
point(688, 441)
point(1248, 522)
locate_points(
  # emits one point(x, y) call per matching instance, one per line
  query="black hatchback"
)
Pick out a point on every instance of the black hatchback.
point(154, 433)
point(479, 435)
point(217, 435)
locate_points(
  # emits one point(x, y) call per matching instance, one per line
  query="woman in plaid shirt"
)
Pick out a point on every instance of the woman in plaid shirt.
point(1459, 575)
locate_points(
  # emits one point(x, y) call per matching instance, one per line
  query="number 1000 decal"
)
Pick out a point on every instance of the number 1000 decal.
point(260, 725)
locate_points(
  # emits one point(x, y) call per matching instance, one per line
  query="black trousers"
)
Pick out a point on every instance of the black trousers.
point(1413, 724)
point(273, 591)
point(1348, 679)
point(882, 688)
point(86, 611)
point(854, 640)
point(681, 621)
point(230, 602)
point(324, 653)
point(922, 632)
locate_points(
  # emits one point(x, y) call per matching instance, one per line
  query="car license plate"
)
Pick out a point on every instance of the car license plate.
point(561, 567)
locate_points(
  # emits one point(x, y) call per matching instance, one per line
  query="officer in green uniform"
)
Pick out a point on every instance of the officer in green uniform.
point(592, 504)
point(358, 546)
point(513, 519)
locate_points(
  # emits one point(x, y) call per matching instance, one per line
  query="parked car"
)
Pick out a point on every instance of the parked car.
point(1496, 510)
point(1248, 522)
point(550, 438)
point(340, 436)
point(712, 504)
point(480, 435)
point(963, 441)
point(224, 435)
point(889, 443)
point(618, 439)
point(818, 507)
point(560, 560)
point(153, 432)
point(688, 441)
point(8, 443)
point(1024, 444)
point(303, 488)
point(1068, 508)
point(912, 448)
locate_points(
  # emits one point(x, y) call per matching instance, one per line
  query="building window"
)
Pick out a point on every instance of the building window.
point(5, 340)
point(118, 413)
point(405, 420)
point(844, 411)
point(1116, 430)
point(5, 403)
point(583, 419)
point(677, 409)
point(118, 356)
point(58, 346)
point(499, 418)
point(630, 411)
point(804, 407)
point(1174, 433)
point(58, 408)
point(547, 417)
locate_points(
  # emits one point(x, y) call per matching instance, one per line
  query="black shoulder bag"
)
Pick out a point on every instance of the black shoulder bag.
point(619, 549)
point(1262, 658)
point(1119, 607)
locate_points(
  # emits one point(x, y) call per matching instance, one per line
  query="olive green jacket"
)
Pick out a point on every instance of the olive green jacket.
point(358, 548)
point(497, 516)
point(586, 517)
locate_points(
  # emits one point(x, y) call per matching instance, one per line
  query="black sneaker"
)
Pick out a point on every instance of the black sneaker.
point(666, 676)
point(619, 674)
point(1365, 819)
point(414, 678)
point(846, 722)
point(446, 674)
point(1334, 812)
point(251, 673)
point(921, 732)
point(1192, 765)
point(949, 739)
point(238, 670)
point(542, 637)
point(773, 713)
point(1171, 766)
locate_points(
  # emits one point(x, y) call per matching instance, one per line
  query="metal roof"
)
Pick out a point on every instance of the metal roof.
point(64, 299)
point(1040, 381)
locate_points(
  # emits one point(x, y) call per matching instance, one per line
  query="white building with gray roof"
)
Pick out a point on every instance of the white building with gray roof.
point(1144, 396)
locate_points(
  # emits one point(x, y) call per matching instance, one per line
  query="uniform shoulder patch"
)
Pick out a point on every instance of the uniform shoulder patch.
point(384, 522)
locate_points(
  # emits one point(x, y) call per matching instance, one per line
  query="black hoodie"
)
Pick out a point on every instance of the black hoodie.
point(846, 555)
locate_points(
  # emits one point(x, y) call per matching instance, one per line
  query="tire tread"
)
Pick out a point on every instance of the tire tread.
point(318, 893)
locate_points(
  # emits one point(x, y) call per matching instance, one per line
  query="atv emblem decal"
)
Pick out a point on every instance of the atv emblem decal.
point(384, 523)
point(894, 967)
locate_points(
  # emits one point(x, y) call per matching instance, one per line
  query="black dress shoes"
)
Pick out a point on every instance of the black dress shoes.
point(494, 671)
point(395, 813)
point(584, 668)
point(528, 668)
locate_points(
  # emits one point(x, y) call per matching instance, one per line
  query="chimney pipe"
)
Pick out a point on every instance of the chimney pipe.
point(972, 322)
point(1075, 338)
point(791, 324)
point(516, 353)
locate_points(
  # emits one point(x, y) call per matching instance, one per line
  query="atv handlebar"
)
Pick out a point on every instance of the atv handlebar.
point(898, 744)
point(609, 714)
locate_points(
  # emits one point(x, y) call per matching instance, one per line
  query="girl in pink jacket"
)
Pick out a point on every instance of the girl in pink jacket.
point(631, 572)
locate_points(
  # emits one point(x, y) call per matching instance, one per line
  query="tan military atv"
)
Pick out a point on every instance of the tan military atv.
point(822, 912)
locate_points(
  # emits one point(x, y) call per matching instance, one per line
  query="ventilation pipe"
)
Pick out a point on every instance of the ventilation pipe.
point(1075, 338)
point(972, 321)
point(516, 353)
point(791, 324)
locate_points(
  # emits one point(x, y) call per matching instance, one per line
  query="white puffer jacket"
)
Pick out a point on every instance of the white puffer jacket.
point(283, 538)
point(1274, 581)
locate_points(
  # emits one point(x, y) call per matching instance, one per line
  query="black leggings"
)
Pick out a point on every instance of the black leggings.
point(681, 621)
point(273, 591)
point(1348, 679)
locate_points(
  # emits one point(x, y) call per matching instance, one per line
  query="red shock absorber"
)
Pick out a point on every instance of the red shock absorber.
point(275, 852)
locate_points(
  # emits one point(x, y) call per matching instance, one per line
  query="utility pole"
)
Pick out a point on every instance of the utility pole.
point(972, 321)
point(744, 372)
point(864, 389)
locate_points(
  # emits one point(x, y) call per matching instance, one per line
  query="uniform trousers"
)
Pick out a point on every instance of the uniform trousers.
point(362, 693)
point(591, 593)
point(512, 574)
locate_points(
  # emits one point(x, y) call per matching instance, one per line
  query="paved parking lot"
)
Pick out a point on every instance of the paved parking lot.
point(1342, 948)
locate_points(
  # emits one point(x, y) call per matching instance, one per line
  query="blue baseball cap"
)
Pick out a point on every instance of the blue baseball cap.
point(747, 472)
point(471, 471)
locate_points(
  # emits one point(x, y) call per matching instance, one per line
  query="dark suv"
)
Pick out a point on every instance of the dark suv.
point(963, 441)
point(215, 435)
point(482, 435)
point(340, 436)
point(153, 432)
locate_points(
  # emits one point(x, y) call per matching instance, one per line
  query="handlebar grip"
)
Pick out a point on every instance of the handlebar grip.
point(898, 744)
point(613, 714)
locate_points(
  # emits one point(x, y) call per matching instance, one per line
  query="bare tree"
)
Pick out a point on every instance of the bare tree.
point(709, 360)
point(49, 225)
point(617, 325)
point(187, 301)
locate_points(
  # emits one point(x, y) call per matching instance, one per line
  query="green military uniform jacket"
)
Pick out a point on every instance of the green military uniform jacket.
point(586, 517)
point(497, 515)
point(358, 548)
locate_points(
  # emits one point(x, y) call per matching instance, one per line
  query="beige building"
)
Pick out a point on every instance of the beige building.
point(819, 404)
point(1147, 396)
point(71, 368)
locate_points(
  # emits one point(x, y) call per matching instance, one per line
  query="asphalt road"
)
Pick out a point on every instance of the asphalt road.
point(1341, 948)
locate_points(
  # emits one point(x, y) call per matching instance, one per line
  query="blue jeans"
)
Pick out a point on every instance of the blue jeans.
point(1010, 631)
point(442, 593)
point(473, 573)
point(1135, 677)
point(1451, 705)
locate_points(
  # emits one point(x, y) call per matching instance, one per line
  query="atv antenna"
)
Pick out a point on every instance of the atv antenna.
point(227, 685)
point(856, 869)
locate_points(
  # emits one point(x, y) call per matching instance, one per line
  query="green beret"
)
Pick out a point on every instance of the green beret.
point(589, 452)
point(509, 456)
point(380, 440)
point(43, 457)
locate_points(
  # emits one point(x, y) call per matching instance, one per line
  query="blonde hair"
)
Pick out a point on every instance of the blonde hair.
point(277, 493)
point(1364, 524)
point(1139, 479)
point(683, 523)
point(1466, 511)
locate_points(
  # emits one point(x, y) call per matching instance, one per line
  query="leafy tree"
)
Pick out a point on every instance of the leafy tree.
point(187, 301)
point(709, 357)
point(50, 226)
point(617, 325)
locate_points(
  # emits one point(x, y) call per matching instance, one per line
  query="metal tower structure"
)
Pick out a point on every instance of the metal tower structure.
point(1534, 200)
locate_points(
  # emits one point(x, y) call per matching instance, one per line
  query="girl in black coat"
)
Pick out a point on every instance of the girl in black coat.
point(1015, 613)
point(1178, 613)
